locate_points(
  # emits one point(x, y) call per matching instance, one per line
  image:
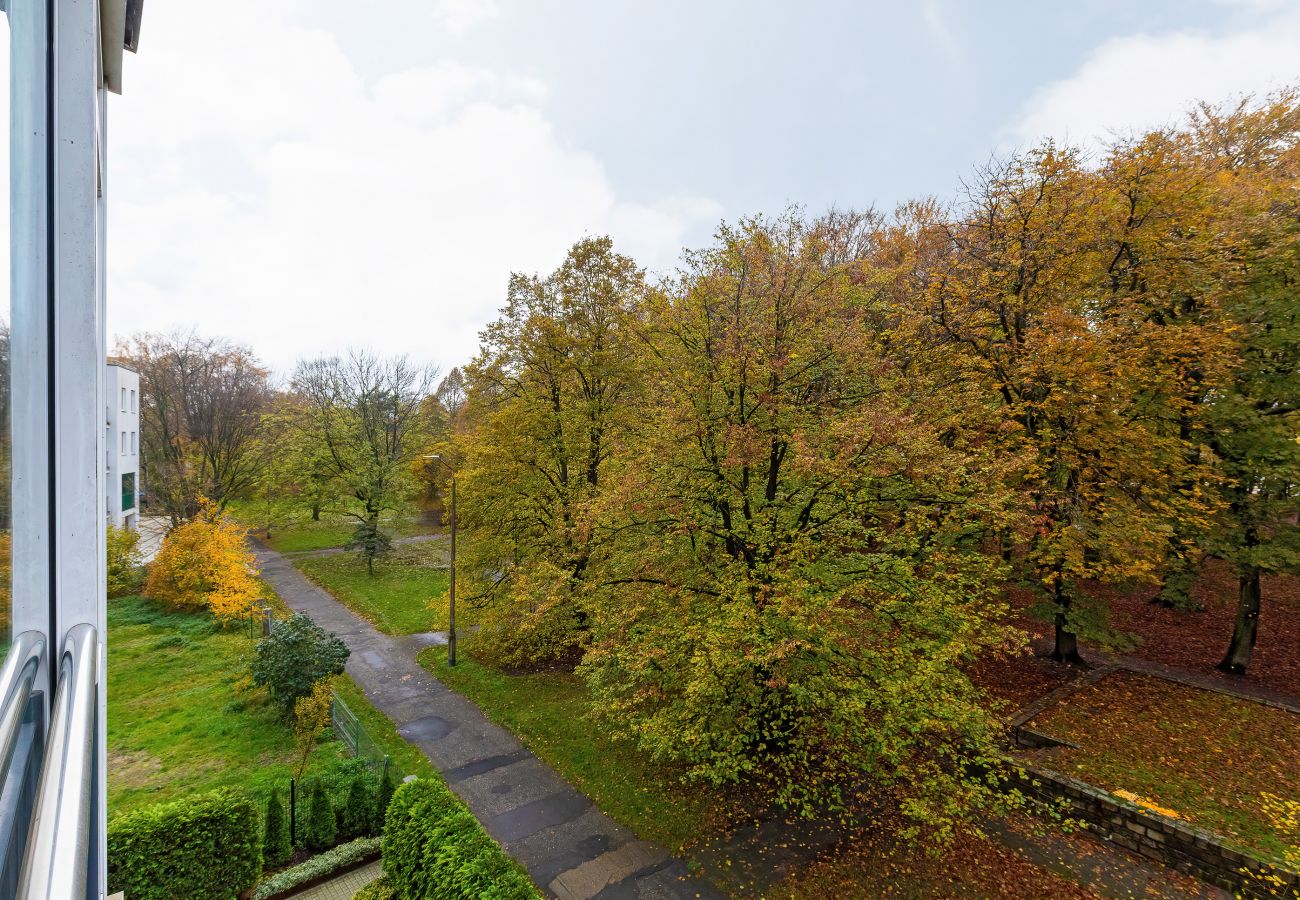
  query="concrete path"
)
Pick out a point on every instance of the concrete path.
point(345, 886)
point(571, 849)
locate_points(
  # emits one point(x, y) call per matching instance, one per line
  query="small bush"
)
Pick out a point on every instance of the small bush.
point(204, 564)
point(379, 889)
point(318, 866)
point(125, 572)
point(319, 829)
point(435, 848)
point(276, 846)
point(204, 847)
point(358, 809)
point(296, 655)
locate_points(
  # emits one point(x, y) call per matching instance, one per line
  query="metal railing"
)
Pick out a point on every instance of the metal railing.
point(55, 865)
point(16, 680)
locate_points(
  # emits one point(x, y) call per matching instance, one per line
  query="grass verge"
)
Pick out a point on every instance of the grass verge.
point(397, 600)
point(548, 712)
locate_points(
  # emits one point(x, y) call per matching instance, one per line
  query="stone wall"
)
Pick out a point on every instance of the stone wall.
point(1168, 841)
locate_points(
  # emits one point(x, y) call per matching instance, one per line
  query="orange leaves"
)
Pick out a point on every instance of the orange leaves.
point(205, 564)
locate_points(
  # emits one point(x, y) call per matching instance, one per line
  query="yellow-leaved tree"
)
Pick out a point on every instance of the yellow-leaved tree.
point(204, 564)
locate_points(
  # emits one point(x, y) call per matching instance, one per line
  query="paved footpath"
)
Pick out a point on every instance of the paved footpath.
point(570, 848)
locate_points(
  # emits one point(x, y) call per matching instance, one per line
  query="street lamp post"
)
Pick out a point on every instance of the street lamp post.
point(451, 610)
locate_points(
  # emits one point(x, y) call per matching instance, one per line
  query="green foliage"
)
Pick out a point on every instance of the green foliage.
point(206, 847)
point(371, 544)
point(383, 796)
point(319, 866)
point(319, 827)
point(381, 888)
point(276, 844)
point(405, 595)
point(297, 654)
point(125, 569)
point(358, 811)
point(435, 848)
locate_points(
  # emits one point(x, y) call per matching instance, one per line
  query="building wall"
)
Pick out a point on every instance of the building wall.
point(122, 446)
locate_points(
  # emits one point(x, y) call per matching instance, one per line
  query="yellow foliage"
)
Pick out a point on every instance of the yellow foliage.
point(205, 564)
point(311, 715)
point(1147, 804)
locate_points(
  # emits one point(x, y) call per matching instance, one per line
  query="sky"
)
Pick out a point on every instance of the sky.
point(305, 176)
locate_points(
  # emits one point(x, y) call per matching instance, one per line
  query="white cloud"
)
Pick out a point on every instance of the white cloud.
point(459, 16)
point(275, 196)
point(1150, 80)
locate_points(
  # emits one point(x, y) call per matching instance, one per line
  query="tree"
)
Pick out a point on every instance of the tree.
point(294, 658)
point(320, 829)
point(1041, 286)
point(1253, 416)
point(364, 414)
point(277, 845)
point(451, 395)
point(311, 716)
point(550, 394)
point(124, 565)
point(358, 809)
point(371, 543)
point(201, 403)
point(204, 563)
point(792, 574)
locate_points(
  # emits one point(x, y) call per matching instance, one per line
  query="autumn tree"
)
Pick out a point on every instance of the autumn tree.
point(793, 573)
point(362, 419)
point(1051, 285)
point(204, 564)
point(550, 393)
point(201, 404)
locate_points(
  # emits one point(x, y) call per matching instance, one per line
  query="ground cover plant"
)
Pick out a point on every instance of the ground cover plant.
point(1205, 757)
point(400, 598)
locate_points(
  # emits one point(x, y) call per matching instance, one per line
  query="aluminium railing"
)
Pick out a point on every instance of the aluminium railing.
point(55, 864)
point(17, 677)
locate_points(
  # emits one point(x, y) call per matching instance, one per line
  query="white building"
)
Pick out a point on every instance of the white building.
point(122, 446)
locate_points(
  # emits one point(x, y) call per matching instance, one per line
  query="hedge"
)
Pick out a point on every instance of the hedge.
point(322, 864)
point(204, 847)
point(435, 848)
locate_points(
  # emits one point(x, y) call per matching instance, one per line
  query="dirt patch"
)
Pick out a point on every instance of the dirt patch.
point(133, 768)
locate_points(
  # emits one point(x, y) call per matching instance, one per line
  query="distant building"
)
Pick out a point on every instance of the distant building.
point(122, 446)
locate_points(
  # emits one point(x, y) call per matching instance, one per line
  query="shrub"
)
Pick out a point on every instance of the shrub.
point(370, 543)
point(318, 866)
point(358, 809)
point(296, 655)
point(435, 848)
point(383, 796)
point(204, 847)
point(125, 575)
point(276, 845)
point(311, 716)
point(319, 829)
point(204, 564)
point(379, 889)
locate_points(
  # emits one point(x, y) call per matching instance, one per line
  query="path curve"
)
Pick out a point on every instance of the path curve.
point(570, 848)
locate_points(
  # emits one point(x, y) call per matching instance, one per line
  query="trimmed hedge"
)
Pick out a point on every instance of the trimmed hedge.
point(204, 847)
point(435, 848)
point(381, 889)
point(326, 863)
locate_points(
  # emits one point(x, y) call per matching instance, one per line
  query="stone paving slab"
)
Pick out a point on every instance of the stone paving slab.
point(539, 818)
point(593, 876)
point(343, 887)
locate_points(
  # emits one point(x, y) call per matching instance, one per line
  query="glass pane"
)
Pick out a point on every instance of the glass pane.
point(6, 456)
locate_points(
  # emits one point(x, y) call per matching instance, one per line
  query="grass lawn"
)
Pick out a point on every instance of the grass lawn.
point(548, 712)
point(397, 599)
point(1203, 755)
point(177, 724)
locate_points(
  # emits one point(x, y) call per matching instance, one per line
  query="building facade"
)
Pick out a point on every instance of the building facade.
point(122, 446)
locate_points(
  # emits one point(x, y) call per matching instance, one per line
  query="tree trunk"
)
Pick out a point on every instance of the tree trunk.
point(1246, 627)
point(1067, 642)
point(315, 512)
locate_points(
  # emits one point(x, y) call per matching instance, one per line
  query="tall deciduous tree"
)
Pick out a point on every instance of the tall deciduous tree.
point(363, 417)
point(792, 576)
point(201, 403)
point(551, 391)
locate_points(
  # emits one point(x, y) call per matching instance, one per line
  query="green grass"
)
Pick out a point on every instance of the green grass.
point(177, 722)
point(1203, 755)
point(397, 600)
point(549, 713)
point(309, 536)
point(406, 758)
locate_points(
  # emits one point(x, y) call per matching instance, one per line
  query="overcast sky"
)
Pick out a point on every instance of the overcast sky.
point(305, 175)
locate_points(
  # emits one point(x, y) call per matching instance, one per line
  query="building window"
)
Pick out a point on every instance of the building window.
point(133, 451)
point(123, 399)
point(124, 443)
point(128, 491)
point(133, 401)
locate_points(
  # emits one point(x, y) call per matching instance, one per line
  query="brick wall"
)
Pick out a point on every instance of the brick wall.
point(1168, 841)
